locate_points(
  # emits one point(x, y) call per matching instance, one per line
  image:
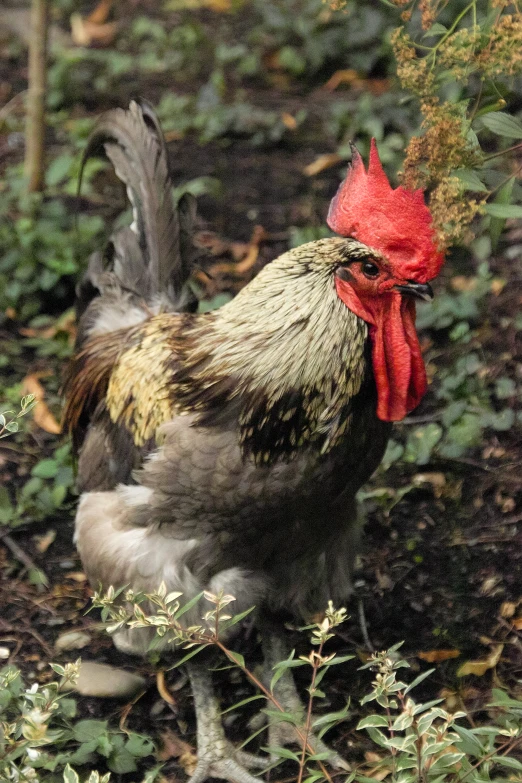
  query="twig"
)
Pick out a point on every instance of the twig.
point(35, 127)
point(22, 556)
point(363, 626)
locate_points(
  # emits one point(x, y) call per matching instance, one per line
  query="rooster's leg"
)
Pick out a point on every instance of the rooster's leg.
point(282, 733)
point(217, 757)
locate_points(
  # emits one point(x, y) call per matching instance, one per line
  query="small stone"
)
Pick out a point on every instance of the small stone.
point(104, 681)
point(72, 640)
point(4, 653)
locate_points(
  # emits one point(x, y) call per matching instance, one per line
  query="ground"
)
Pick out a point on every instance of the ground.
point(441, 563)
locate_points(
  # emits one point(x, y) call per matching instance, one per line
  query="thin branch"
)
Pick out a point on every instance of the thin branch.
point(35, 125)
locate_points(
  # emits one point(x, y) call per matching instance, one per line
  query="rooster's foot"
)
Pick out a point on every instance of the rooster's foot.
point(281, 732)
point(217, 757)
point(222, 760)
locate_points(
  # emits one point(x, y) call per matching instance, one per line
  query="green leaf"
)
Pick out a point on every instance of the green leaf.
point(139, 746)
point(121, 762)
point(186, 607)
point(496, 224)
point(243, 702)
point(37, 577)
point(468, 742)
point(283, 753)
point(189, 655)
point(340, 659)
point(501, 421)
point(502, 124)
point(58, 170)
point(505, 388)
point(69, 775)
point(373, 721)
point(46, 468)
point(470, 180)
point(418, 680)
point(435, 29)
point(421, 442)
point(504, 211)
point(236, 657)
point(508, 761)
point(402, 722)
point(86, 730)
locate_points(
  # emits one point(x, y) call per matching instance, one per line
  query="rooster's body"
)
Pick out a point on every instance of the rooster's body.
point(224, 451)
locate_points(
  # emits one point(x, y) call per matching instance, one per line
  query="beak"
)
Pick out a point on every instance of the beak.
point(420, 290)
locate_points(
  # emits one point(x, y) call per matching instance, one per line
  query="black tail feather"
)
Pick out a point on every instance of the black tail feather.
point(155, 256)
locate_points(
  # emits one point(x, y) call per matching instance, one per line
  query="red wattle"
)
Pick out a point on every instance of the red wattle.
point(398, 367)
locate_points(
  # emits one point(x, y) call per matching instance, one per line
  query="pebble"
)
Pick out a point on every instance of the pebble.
point(104, 681)
point(4, 653)
point(72, 640)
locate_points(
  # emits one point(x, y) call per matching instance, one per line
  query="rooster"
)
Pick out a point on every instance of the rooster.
point(223, 451)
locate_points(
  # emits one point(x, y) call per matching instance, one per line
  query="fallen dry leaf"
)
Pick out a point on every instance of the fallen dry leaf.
point(76, 576)
point(289, 121)
point(42, 416)
point(508, 609)
point(101, 12)
point(480, 667)
point(353, 79)
point(219, 6)
point(372, 757)
point(437, 481)
point(463, 283)
point(66, 323)
point(384, 581)
point(436, 656)
point(87, 33)
point(321, 163)
point(162, 688)
point(497, 286)
point(44, 542)
point(244, 255)
point(173, 747)
point(346, 76)
point(517, 623)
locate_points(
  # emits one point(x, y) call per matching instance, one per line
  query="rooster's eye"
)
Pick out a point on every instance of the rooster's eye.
point(369, 269)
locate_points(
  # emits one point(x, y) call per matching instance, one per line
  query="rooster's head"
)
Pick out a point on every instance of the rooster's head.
point(396, 227)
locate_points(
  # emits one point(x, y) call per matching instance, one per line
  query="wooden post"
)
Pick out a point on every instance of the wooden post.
point(35, 122)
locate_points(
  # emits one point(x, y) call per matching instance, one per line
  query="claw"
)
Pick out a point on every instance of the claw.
point(281, 734)
point(226, 767)
point(217, 757)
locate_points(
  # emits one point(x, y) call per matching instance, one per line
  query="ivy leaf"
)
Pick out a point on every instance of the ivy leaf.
point(87, 730)
point(503, 124)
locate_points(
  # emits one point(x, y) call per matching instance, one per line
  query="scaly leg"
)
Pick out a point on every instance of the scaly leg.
point(217, 757)
point(282, 733)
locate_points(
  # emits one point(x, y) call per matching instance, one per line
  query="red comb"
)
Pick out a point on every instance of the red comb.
point(397, 222)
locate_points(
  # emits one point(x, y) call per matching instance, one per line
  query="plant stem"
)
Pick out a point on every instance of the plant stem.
point(308, 722)
point(503, 152)
point(303, 737)
point(35, 123)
